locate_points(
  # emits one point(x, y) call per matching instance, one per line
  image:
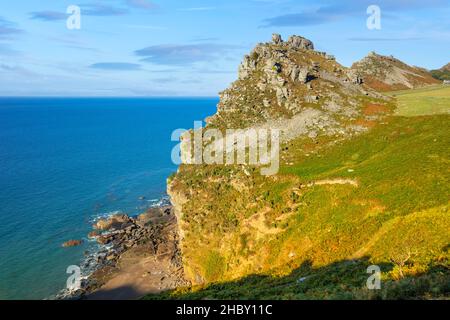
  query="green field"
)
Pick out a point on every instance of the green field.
point(423, 101)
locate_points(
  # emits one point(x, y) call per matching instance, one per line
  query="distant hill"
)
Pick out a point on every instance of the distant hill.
point(386, 73)
point(446, 67)
point(442, 73)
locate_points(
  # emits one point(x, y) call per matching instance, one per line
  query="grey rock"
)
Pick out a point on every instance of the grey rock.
point(300, 43)
point(276, 38)
point(246, 67)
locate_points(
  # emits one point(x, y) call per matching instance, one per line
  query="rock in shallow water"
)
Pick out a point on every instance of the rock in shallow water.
point(72, 243)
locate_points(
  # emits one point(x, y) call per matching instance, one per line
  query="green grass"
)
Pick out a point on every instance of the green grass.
point(424, 101)
point(400, 205)
point(252, 237)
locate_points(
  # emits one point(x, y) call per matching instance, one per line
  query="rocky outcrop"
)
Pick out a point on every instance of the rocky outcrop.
point(386, 73)
point(125, 232)
point(72, 243)
point(298, 42)
point(280, 79)
point(118, 221)
point(276, 38)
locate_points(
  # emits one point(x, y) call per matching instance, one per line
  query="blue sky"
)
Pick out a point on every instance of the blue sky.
point(193, 47)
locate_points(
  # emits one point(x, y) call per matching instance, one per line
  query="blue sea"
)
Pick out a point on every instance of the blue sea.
point(66, 161)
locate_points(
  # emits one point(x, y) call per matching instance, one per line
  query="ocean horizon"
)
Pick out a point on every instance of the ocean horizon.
point(65, 161)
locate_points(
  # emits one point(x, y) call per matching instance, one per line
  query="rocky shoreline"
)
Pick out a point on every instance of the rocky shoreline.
point(137, 255)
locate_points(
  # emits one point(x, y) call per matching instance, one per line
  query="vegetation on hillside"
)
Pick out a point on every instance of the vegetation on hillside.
point(273, 228)
point(441, 74)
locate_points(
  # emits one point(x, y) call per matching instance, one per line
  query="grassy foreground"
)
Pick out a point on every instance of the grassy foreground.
point(381, 198)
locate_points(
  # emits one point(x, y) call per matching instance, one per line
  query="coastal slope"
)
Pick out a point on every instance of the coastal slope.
point(353, 189)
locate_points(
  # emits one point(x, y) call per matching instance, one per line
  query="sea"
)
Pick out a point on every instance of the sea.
point(65, 162)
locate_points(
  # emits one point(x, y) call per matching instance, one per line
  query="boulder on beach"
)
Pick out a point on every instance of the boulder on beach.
point(104, 239)
point(114, 222)
point(93, 234)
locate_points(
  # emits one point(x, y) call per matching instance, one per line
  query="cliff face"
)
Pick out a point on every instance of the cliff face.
point(229, 214)
point(384, 73)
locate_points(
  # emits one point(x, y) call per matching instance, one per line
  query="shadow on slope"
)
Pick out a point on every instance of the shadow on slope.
point(345, 279)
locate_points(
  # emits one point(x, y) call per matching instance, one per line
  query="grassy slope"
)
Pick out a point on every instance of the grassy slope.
point(430, 100)
point(328, 233)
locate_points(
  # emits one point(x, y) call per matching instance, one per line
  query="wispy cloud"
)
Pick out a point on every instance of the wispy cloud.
point(117, 66)
point(102, 10)
point(318, 16)
point(144, 27)
point(14, 69)
point(212, 71)
point(333, 10)
point(48, 15)
point(392, 5)
point(165, 80)
point(141, 4)
point(197, 9)
point(364, 39)
point(300, 19)
point(8, 29)
point(183, 54)
point(6, 50)
point(204, 39)
point(98, 9)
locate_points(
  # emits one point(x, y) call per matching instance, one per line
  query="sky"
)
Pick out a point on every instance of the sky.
point(194, 47)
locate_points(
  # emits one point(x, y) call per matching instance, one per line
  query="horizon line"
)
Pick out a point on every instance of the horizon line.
point(112, 97)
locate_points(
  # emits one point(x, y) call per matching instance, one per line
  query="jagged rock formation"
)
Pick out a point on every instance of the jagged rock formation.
point(386, 73)
point(283, 79)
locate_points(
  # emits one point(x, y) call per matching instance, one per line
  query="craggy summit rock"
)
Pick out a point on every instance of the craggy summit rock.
point(276, 38)
point(300, 43)
point(283, 80)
